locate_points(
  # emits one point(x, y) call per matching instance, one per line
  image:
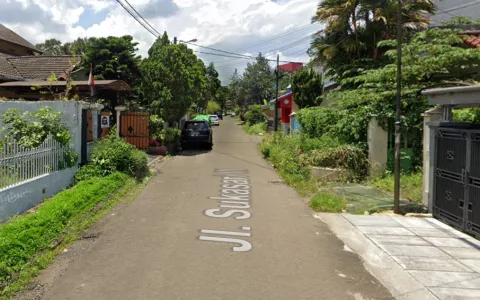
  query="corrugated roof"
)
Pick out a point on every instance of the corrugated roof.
point(42, 66)
point(10, 36)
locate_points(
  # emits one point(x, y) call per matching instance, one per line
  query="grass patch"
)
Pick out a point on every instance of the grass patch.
point(30, 242)
point(255, 129)
point(411, 185)
point(327, 202)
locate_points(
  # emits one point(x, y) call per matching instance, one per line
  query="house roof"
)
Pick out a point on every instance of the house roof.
point(116, 85)
point(38, 67)
point(472, 39)
point(11, 37)
point(42, 66)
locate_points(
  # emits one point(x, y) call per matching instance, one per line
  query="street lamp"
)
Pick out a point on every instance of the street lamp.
point(190, 41)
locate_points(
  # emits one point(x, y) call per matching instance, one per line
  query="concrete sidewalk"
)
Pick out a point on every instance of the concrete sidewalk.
point(415, 258)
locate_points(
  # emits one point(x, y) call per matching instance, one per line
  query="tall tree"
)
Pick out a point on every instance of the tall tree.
point(113, 58)
point(258, 81)
point(52, 47)
point(307, 88)
point(173, 79)
point(213, 83)
point(353, 29)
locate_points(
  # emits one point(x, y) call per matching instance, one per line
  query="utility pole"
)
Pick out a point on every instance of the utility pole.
point(277, 75)
point(175, 40)
point(396, 189)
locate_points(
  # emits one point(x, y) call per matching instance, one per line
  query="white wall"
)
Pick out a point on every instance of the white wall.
point(23, 196)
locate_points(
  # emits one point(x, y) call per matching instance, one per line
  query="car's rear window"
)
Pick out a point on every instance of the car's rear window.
point(213, 117)
point(200, 125)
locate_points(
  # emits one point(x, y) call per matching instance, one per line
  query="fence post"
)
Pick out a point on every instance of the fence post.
point(377, 147)
point(431, 115)
point(84, 127)
point(119, 110)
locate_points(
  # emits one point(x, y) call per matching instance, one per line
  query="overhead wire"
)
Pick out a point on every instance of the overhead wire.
point(136, 18)
point(149, 25)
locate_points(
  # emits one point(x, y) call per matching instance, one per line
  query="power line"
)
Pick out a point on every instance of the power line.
point(447, 11)
point(135, 17)
point(126, 1)
point(227, 52)
point(247, 57)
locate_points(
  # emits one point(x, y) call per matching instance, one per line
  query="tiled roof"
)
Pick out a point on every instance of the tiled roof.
point(6, 68)
point(10, 36)
point(472, 39)
point(42, 66)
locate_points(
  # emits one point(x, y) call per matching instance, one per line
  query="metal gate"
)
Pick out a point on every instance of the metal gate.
point(457, 178)
point(134, 128)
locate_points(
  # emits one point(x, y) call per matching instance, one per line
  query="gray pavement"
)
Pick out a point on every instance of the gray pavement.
point(416, 258)
point(217, 225)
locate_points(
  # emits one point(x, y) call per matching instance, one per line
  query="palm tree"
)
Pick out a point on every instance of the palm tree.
point(354, 27)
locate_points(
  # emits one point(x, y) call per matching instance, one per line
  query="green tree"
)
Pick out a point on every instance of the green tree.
point(258, 82)
point(52, 47)
point(307, 88)
point(173, 79)
point(213, 83)
point(212, 107)
point(461, 20)
point(112, 58)
point(353, 28)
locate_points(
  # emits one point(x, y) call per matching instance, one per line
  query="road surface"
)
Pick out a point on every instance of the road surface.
point(215, 226)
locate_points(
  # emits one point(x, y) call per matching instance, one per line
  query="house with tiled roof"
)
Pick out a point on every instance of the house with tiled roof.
point(21, 61)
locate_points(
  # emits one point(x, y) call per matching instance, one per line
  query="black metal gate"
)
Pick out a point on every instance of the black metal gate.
point(457, 178)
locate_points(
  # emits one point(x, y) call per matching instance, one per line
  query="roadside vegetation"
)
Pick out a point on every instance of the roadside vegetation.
point(29, 242)
point(411, 185)
point(327, 202)
point(255, 120)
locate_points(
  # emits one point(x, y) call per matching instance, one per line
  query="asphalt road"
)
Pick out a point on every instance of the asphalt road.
point(217, 225)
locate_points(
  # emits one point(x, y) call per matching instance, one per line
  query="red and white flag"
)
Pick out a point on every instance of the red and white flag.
point(91, 82)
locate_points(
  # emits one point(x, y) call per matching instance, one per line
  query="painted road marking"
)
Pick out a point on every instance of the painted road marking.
point(235, 193)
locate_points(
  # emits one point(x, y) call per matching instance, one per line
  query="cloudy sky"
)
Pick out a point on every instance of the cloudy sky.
point(240, 26)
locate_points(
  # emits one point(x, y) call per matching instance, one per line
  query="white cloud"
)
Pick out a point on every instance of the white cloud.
point(231, 25)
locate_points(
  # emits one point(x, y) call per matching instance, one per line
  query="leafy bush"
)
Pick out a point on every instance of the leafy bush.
point(256, 128)
point(255, 115)
point(346, 157)
point(113, 154)
point(467, 115)
point(411, 185)
point(156, 127)
point(24, 236)
point(171, 136)
point(89, 171)
point(282, 152)
point(327, 202)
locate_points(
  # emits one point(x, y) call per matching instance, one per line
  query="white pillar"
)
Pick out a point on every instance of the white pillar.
point(431, 115)
point(119, 110)
point(377, 147)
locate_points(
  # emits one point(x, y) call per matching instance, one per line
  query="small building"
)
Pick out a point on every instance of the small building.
point(290, 67)
point(285, 107)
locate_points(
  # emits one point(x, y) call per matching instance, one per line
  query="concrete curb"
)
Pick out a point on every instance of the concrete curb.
point(398, 281)
point(155, 160)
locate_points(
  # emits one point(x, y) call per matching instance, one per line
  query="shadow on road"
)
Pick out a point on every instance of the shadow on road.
point(193, 152)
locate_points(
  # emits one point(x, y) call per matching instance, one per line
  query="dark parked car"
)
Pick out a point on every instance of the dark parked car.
point(219, 115)
point(197, 133)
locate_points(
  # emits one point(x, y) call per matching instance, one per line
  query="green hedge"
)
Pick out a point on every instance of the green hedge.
point(24, 236)
point(111, 155)
point(255, 115)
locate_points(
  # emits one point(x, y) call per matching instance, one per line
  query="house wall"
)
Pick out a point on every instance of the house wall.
point(25, 195)
point(14, 49)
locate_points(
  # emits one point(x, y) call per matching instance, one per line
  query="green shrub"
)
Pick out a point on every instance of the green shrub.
point(156, 127)
point(113, 154)
point(411, 185)
point(327, 202)
point(255, 115)
point(283, 152)
point(171, 135)
point(255, 129)
point(25, 236)
point(89, 171)
point(351, 158)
